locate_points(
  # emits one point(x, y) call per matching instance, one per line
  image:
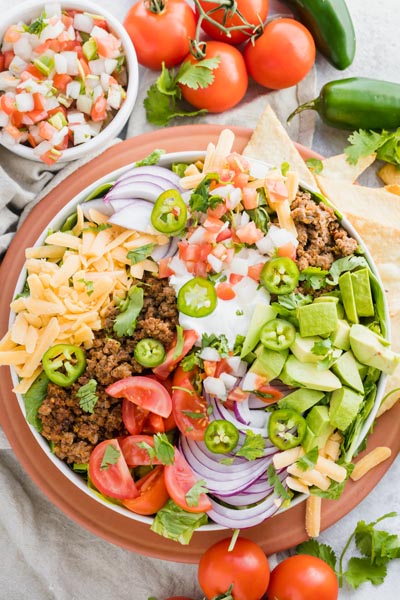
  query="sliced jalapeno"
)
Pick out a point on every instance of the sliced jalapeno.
point(149, 352)
point(277, 334)
point(286, 428)
point(221, 436)
point(64, 363)
point(197, 297)
point(169, 213)
point(280, 275)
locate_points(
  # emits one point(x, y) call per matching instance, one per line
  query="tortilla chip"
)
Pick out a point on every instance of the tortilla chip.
point(337, 167)
point(389, 174)
point(271, 144)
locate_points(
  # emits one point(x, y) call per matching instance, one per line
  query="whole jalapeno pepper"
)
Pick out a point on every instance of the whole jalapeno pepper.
point(357, 103)
point(331, 26)
point(286, 428)
point(64, 363)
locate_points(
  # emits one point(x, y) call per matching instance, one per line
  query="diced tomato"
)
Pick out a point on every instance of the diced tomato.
point(249, 234)
point(226, 234)
point(50, 157)
point(169, 422)
point(7, 104)
point(67, 20)
point(46, 130)
point(42, 48)
point(12, 34)
point(162, 371)
point(64, 144)
point(277, 190)
point(16, 118)
point(111, 476)
point(99, 22)
point(13, 131)
point(179, 480)
point(222, 367)
point(238, 395)
point(8, 57)
point(210, 367)
point(164, 269)
point(99, 109)
point(37, 115)
point(226, 175)
point(218, 211)
point(145, 392)
point(235, 278)
point(189, 252)
point(2, 62)
point(107, 45)
point(237, 162)
point(61, 80)
point(225, 291)
point(254, 271)
point(249, 198)
point(85, 66)
point(288, 250)
point(241, 180)
point(153, 493)
point(56, 109)
point(34, 72)
point(268, 394)
point(213, 224)
point(39, 101)
point(31, 140)
point(153, 424)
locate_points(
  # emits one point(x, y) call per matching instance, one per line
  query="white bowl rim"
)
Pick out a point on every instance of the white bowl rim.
point(113, 128)
point(57, 221)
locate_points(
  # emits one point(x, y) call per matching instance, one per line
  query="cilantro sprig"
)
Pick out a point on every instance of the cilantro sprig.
point(385, 144)
point(164, 98)
point(377, 548)
point(87, 396)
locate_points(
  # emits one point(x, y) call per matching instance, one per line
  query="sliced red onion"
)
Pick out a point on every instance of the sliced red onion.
point(146, 190)
point(134, 216)
point(244, 517)
point(152, 171)
point(165, 250)
point(121, 203)
point(96, 204)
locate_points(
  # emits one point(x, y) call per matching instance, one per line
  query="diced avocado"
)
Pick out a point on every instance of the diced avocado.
point(309, 376)
point(262, 314)
point(335, 299)
point(346, 369)
point(349, 303)
point(318, 419)
point(311, 440)
point(301, 399)
point(318, 318)
point(269, 363)
point(302, 348)
point(372, 349)
point(362, 292)
point(362, 369)
point(344, 406)
point(89, 49)
point(341, 336)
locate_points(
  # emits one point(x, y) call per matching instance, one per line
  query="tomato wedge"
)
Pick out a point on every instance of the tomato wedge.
point(133, 417)
point(134, 455)
point(167, 366)
point(188, 408)
point(145, 392)
point(109, 472)
point(152, 493)
point(179, 480)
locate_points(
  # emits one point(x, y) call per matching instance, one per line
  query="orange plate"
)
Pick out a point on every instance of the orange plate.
point(276, 534)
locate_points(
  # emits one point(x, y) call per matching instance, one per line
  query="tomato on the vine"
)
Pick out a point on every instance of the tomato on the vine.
point(253, 11)
point(245, 567)
point(303, 577)
point(230, 80)
point(282, 55)
point(160, 31)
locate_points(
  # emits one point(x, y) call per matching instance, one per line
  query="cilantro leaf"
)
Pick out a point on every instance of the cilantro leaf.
point(218, 342)
point(279, 488)
point(347, 263)
point(335, 489)
point(125, 321)
point(360, 570)
point(87, 396)
point(309, 460)
point(193, 495)
point(314, 277)
point(191, 360)
point(364, 143)
point(139, 254)
point(163, 449)
point(294, 300)
point(110, 457)
point(377, 544)
point(37, 26)
point(151, 159)
point(253, 446)
point(200, 197)
point(323, 551)
point(199, 74)
point(97, 228)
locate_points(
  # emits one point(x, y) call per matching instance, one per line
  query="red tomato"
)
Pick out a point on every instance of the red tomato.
point(152, 493)
point(253, 11)
point(179, 480)
point(161, 35)
point(230, 80)
point(135, 455)
point(186, 402)
point(245, 566)
point(146, 392)
point(282, 55)
point(133, 417)
point(303, 577)
point(162, 371)
point(112, 478)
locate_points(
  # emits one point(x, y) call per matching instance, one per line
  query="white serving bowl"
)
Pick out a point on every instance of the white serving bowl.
point(27, 11)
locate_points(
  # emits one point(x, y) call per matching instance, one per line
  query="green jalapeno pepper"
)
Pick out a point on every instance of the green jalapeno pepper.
point(149, 352)
point(357, 103)
point(277, 334)
point(169, 213)
point(221, 436)
point(280, 275)
point(64, 363)
point(197, 297)
point(286, 428)
point(331, 26)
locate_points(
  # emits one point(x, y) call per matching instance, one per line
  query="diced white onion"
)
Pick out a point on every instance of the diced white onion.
point(72, 61)
point(84, 104)
point(209, 353)
point(238, 366)
point(198, 236)
point(75, 117)
point(24, 102)
point(239, 266)
point(50, 103)
point(4, 119)
point(105, 81)
point(60, 63)
point(229, 380)
point(98, 32)
point(110, 65)
point(215, 387)
point(8, 81)
point(114, 97)
point(81, 133)
point(17, 65)
point(73, 89)
point(215, 263)
point(83, 22)
point(51, 32)
point(42, 148)
point(23, 48)
point(97, 66)
point(251, 382)
point(97, 92)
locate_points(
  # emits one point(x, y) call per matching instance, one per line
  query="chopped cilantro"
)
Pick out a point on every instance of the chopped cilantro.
point(125, 321)
point(97, 228)
point(193, 495)
point(347, 263)
point(88, 284)
point(309, 460)
point(139, 254)
point(163, 450)
point(200, 198)
point(314, 277)
point(87, 396)
point(151, 159)
point(253, 446)
point(37, 26)
point(218, 342)
point(276, 483)
point(176, 524)
point(110, 457)
point(386, 144)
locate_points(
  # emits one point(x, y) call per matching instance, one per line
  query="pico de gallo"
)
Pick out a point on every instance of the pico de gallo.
point(232, 362)
point(62, 79)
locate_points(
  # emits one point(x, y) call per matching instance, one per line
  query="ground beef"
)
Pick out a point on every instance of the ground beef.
point(321, 238)
point(73, 432)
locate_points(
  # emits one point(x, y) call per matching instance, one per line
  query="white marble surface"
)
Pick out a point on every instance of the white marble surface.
point(45, 556)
